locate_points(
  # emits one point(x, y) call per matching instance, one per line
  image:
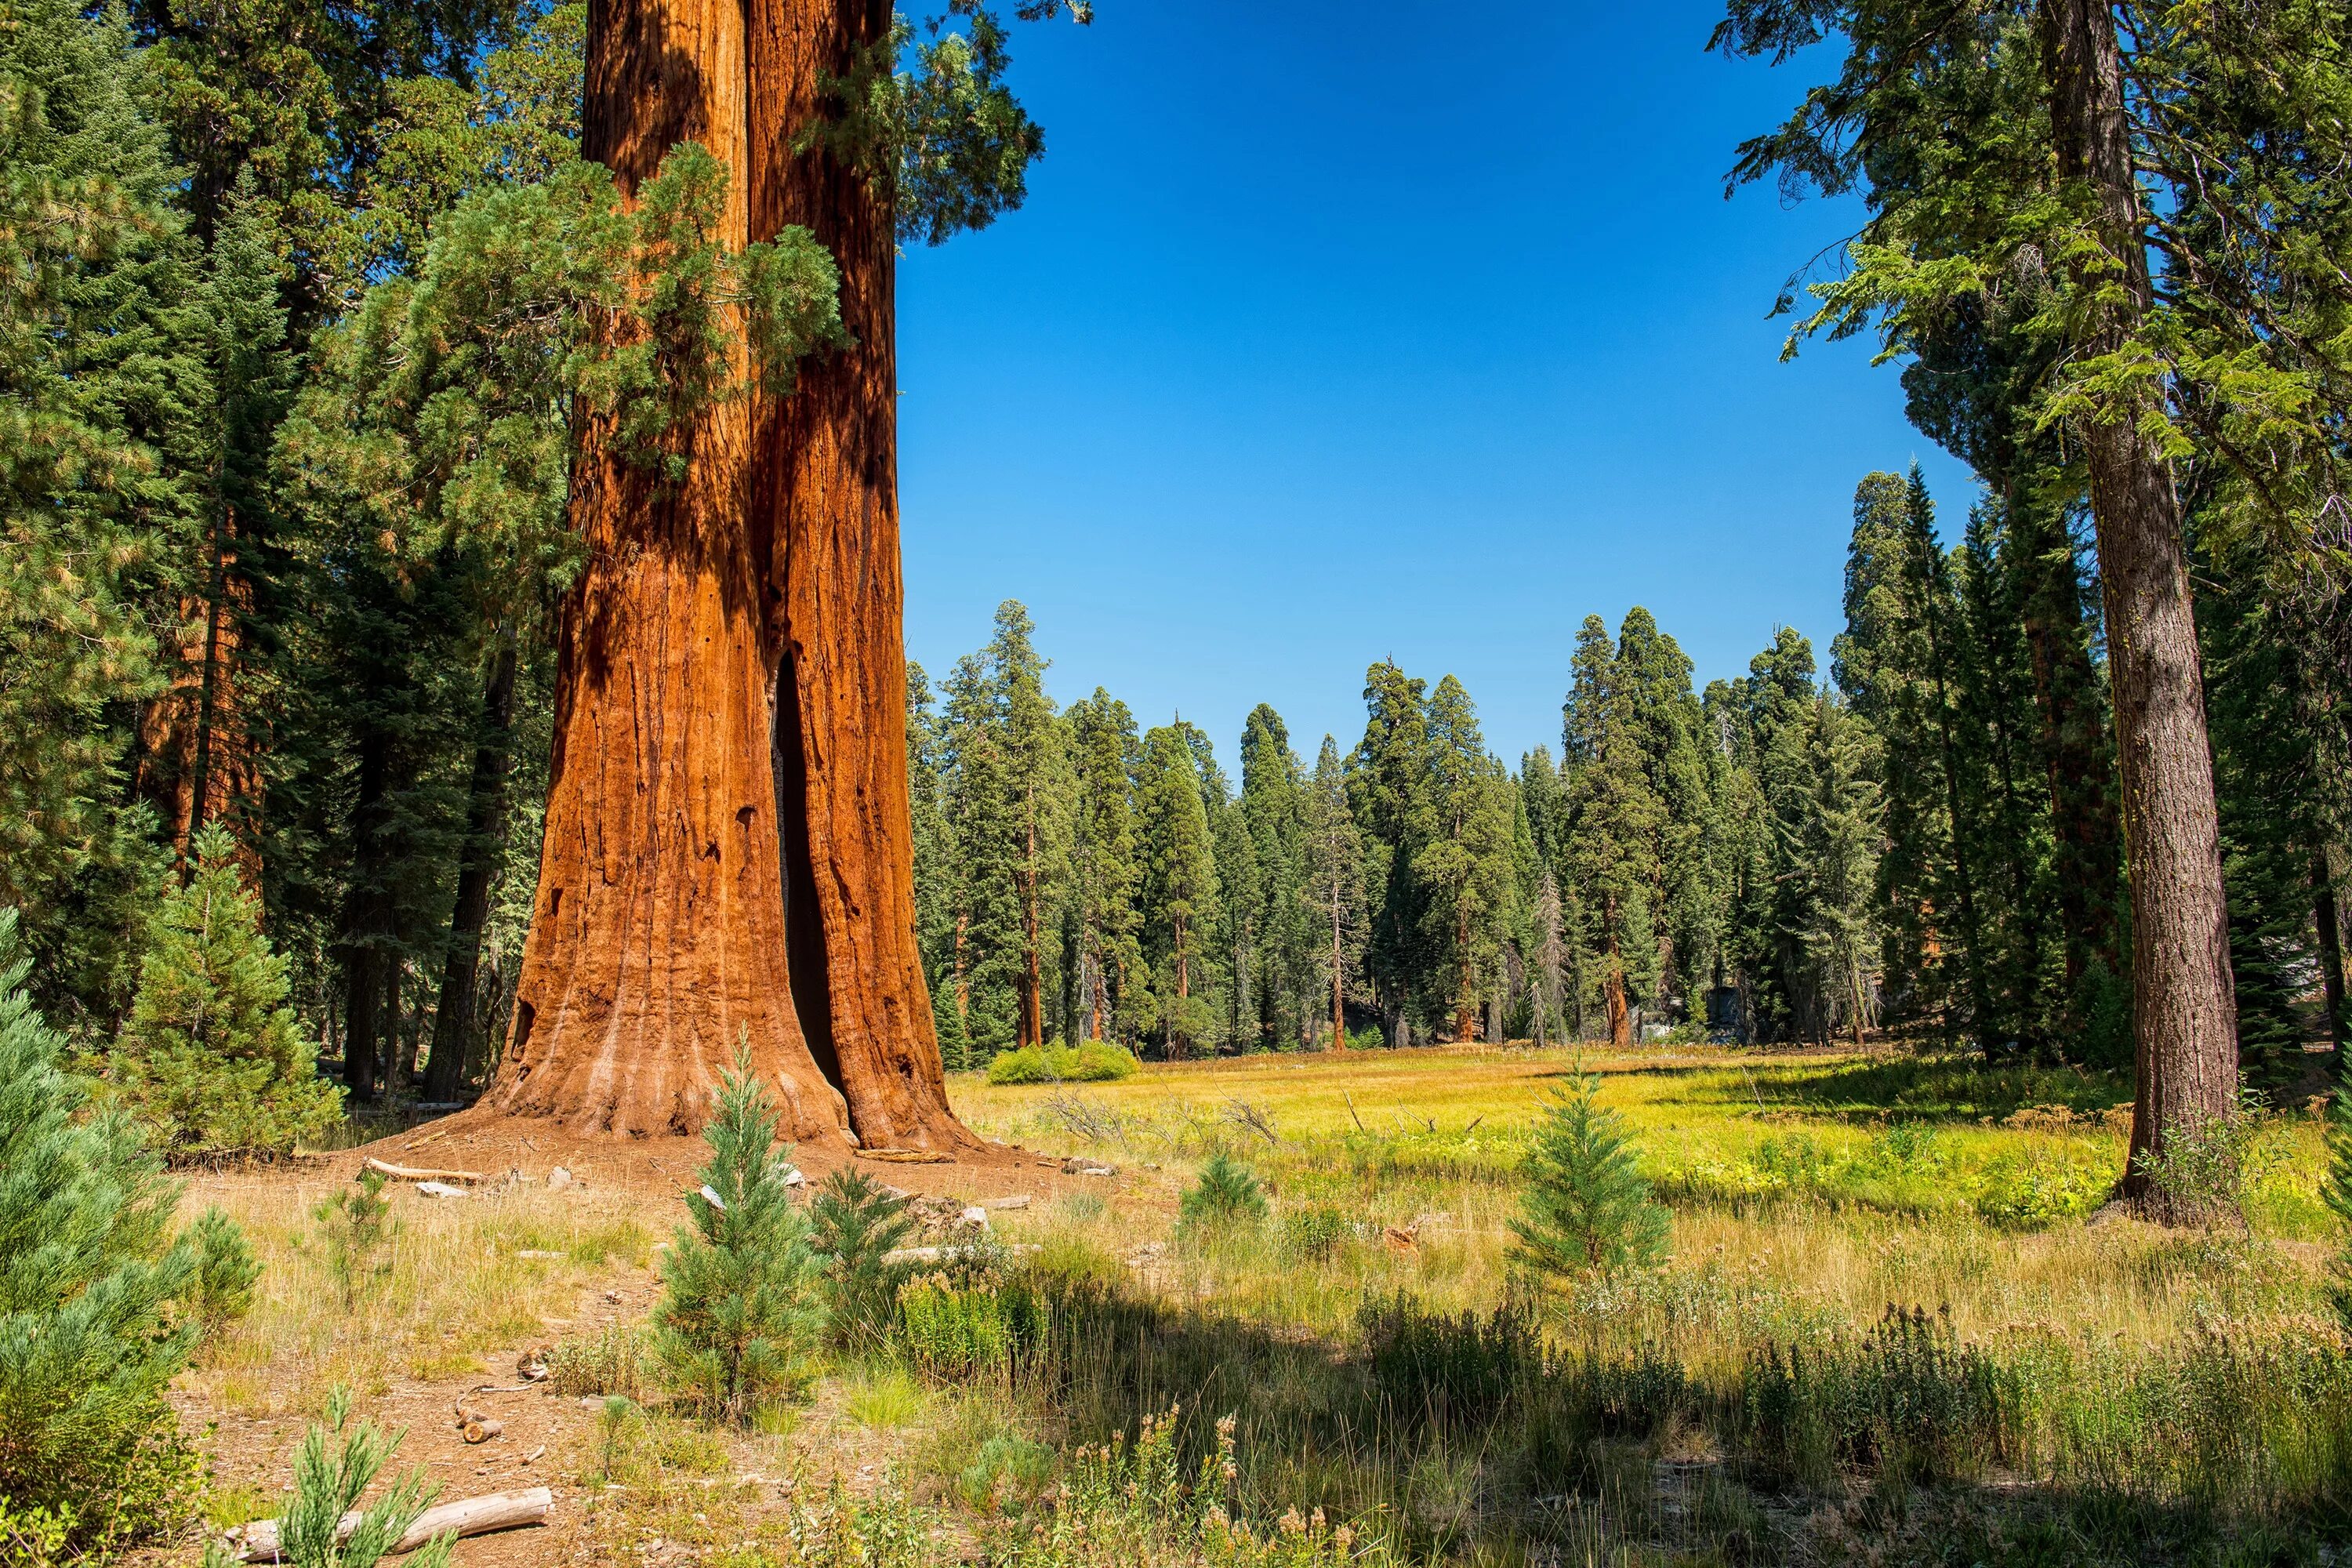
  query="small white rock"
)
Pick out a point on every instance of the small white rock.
point(974, 1215)
point(439, 1190)
point(557, 1179)
point(710, 1196)
point(793, 1178)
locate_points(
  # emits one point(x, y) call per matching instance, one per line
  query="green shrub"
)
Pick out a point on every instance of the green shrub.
point(211, 1060)
point(222, 1291)
point(354, 1225)
point(961, 1330)
point(2337, 1191)
point(2205, 1172)
point(1226, 1194)
point(742, 1306)
point(1096, 1061)
point(612, 1363)
point(95, 1316)
point(856, 1226)
point(1315, 1232)
point(1007, 1469)
point(1585, 1209)
point(327, 1488)
point(1909, 1401)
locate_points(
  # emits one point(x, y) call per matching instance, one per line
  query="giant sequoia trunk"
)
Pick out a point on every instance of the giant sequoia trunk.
point(729, 858)
point(2183, 1013)
point(826, 498)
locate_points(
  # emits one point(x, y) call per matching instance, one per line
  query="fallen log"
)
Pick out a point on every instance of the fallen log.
point(906, 1156)
point(420, 1174)
point(258, 1542)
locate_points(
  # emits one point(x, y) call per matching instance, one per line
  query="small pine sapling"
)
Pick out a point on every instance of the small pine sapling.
point(1227, 1193)
point(327, 1488)
point(1585, 1209)
point(354, 1225)
point(858, 1225)
point(211, 1060)
point(222, 1291)
point(741, 1305)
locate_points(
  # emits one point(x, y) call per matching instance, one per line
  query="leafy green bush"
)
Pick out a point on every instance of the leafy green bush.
point(1095, 1062)
point(856, 1226)
point(1226, 1194)
point(1585, 1209)
point(95, 1304)
point(957, 1331)
point(1007, 1470)
point(741, 1305)
point(211, 1060)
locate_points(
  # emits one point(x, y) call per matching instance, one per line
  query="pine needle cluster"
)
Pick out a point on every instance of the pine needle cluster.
point(742, 1305)
point(858, 1225)
point(1585, 1209)
point(1227, 1193)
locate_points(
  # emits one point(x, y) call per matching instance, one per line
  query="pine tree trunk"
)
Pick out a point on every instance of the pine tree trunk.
point(2074, 742)
point(1338, 994)
point(826, 504)
point(2183, 1012)
point(486, 803)
point(2324, 923)
point(197, 759)
point(657, 937)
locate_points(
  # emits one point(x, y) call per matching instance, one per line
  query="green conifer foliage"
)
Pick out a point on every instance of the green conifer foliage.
point(855, 1226)
point(89, 1279)
point(1463, 864)
point(1180, 888)
point(1585, 1209)
point(328, 1486)
point(743, 1303)
point(1836, 854)
point(1113, 986)
point(1227, 1193)
point(213, 1061)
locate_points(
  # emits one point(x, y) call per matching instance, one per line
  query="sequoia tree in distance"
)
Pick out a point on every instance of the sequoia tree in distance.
point(729, 860)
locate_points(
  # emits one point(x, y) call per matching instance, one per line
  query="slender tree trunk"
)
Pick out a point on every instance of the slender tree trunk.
point(827, 505)
point(1338, 993)
point(197, 763)
point(2074, 743)
point(1613, 985)
point(657, 939)
point(367, 921)
point(2326, 926)
point(2183, 1006)
point(486, 804)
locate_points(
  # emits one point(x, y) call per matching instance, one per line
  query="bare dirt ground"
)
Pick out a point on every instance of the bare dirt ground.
point(706, 1493)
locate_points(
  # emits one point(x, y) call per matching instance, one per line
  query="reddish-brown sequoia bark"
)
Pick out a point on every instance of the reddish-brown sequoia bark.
point(827, 496)
point(657, 943)
point(2184, 1015)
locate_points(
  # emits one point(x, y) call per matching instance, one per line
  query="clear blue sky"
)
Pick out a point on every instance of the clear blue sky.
point(1332, 332)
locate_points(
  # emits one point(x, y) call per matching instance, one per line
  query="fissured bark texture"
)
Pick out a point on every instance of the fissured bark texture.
point(728, 854)
point(2183, 1009)
point(826, 494)
point(657, 943)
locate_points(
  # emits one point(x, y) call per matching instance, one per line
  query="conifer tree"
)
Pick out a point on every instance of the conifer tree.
point(1617, 822)
point(1180, 886)
point(1113, 986)
point(1388, 789)
point(985, 817)
point(1464, 865)
point(1585, 1209)
point(740, 1307)
point(1836, 855)
point(89, 1279)
point(1271, 809)
point(1334, 884)
point(212, 1060)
